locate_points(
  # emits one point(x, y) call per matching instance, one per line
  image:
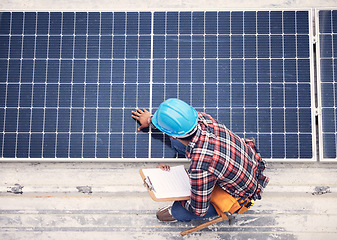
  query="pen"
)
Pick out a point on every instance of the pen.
point(152, 188)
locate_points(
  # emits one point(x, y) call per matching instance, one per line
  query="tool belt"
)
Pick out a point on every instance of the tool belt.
point(224, 202)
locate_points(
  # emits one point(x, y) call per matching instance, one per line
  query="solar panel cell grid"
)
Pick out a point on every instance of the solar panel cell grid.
point(70, 79)
point(327, 61)
point(287, 49)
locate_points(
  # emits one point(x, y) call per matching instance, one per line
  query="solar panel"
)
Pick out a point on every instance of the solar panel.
point(251, 70)
point(69, 80)
point(327, 31)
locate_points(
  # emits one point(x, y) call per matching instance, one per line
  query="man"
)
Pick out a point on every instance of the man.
point(217, 157)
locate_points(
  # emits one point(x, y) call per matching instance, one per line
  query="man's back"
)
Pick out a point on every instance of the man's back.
point(218, 156)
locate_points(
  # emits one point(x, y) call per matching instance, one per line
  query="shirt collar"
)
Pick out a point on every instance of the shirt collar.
point(194, 141)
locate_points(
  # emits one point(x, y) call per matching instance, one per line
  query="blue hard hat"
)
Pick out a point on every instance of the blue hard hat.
point(176, 118)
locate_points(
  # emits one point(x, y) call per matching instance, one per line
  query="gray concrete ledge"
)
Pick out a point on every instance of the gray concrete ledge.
point(108, 201)
point(117, 178)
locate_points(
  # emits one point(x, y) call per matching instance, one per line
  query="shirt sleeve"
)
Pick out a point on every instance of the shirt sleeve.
point(149, 121)
point(202, 185)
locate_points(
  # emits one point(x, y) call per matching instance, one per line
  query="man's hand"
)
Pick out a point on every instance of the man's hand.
point(142, 117)
point(164, 167)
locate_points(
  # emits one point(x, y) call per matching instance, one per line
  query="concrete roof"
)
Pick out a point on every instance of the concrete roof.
point(108, 201)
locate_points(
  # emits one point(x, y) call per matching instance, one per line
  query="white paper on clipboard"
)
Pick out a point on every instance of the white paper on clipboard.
point(168, 184)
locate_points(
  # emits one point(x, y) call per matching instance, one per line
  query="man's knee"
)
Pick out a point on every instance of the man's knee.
point(180, 213)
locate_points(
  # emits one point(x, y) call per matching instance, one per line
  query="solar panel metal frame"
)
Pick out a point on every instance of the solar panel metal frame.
point(320, 107)
point(313, 110)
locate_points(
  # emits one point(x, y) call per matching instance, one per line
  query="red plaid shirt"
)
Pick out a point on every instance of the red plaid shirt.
point(220, 157)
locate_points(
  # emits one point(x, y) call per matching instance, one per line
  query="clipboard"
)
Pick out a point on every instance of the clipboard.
point(151, 188)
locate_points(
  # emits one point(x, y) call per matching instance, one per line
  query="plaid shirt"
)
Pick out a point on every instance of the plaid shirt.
point(220, 157)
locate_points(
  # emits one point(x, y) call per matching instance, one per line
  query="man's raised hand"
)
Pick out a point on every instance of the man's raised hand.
point(142, 116)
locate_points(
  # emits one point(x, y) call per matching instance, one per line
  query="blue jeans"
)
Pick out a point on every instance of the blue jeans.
point(178, 146)
point(183, 215)
point(178, 211)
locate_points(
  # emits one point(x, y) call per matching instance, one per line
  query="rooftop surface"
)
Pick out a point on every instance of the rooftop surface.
point(108, 201)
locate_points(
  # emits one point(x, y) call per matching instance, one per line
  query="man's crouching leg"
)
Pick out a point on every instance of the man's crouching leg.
point(179, 213)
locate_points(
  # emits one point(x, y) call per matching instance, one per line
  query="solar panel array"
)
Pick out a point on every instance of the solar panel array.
point(328, 79)
point(69, 80)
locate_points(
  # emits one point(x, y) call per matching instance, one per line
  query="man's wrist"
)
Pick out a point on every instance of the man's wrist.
point(149, 120)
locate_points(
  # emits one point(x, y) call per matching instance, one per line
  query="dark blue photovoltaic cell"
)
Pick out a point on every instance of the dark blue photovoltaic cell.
point(185, 23)
point(263, 22)
point(68, 23)
point(250, 22)
point(22, 145)
point(69, 80)
point(103, 120)
point(24, 120)
point(236, 22)
point(102, 146)
point(93, 23)
point(62, 150)
point(237, 46)
point(327, 42)
point(115, 149)
point(63, 123)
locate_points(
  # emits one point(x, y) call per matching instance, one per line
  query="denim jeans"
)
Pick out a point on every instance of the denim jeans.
point(178, 146)
point(178, 211)
point(183, 215)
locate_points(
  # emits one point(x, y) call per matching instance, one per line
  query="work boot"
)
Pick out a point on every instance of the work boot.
point(164, 214)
